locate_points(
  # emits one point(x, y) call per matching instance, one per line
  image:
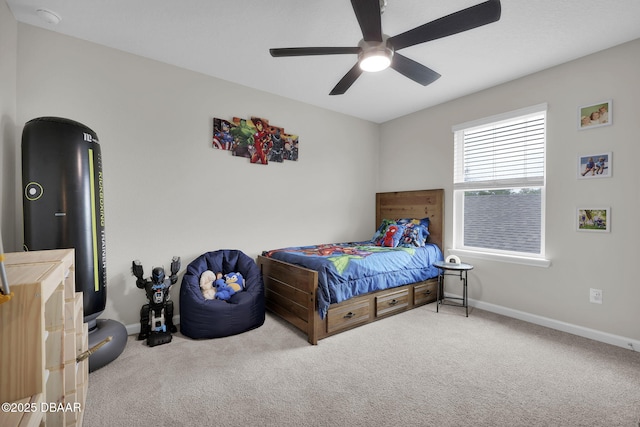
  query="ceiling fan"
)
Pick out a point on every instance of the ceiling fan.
point(377, 51)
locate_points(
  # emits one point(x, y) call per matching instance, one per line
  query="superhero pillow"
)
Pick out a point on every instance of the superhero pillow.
point(381, 231)
point(392, 236)
point(416, 232)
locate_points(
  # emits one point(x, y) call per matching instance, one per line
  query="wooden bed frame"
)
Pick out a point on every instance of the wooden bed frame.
point(291, 289)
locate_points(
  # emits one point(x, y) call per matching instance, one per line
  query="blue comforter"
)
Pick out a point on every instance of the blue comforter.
point(346, 270)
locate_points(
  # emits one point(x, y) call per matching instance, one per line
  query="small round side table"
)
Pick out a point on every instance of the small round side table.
point(452, 269)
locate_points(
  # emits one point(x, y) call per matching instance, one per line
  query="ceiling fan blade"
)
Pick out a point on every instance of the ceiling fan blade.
point(463, 20)
point(368, 15)
point(308, 51)
point(414, 70)
point(348, 79)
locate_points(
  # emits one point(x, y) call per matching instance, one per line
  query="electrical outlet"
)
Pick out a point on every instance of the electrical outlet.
point(595, 296)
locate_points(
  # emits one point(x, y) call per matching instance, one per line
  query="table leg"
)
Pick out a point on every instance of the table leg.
point(440, 281)
point(464, 292)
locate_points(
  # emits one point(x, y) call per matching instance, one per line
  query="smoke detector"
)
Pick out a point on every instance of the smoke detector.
point(48, 16)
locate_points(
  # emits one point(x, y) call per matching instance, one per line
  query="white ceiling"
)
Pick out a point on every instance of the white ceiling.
point(231, 40)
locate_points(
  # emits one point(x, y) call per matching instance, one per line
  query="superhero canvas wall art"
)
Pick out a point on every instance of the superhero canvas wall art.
point(254, 139)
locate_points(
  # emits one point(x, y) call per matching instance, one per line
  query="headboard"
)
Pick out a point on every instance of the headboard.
point(414, 204)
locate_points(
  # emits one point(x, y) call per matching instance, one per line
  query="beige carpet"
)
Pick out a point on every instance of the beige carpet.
point(418, 368)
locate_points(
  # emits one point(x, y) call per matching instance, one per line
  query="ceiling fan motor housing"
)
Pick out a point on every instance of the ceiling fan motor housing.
point(375, 55)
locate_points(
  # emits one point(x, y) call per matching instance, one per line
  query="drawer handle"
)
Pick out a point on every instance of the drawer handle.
point(427, 292)
point(393, 302)
point(349, 315)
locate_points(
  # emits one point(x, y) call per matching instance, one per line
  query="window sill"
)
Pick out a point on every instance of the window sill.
point(535, 262)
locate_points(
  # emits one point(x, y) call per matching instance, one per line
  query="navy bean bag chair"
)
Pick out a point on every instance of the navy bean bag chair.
point(202, 318)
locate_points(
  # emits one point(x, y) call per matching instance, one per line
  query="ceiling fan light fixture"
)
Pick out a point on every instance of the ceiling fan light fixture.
point(375, 62)
point(375, 57)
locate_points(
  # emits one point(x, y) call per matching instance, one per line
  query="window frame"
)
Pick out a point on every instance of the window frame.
point(459, 189)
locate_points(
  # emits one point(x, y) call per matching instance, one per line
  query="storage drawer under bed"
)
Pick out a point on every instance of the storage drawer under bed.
point(425, 292)
point(392, 302)
point(347, 315)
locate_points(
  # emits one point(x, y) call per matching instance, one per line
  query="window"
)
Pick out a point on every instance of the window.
point(499, 179)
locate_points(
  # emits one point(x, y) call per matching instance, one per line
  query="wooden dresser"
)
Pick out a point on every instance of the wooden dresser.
point(41, 334)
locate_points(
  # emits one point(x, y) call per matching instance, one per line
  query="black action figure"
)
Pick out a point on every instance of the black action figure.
point(156, 318)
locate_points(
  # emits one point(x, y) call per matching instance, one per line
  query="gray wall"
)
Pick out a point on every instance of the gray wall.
point(418, 152)
point(8, 157)
point(167, 191)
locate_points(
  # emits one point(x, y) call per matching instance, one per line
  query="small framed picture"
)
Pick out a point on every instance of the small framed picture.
point(593, 219)
point(598, 165)
point(596, 115)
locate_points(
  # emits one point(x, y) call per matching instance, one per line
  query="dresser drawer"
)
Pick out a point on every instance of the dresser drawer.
point(425, 292)
point(392, 302)
point(348, 315)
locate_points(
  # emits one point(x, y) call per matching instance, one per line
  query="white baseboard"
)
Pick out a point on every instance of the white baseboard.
point(581, 331)
point(133, 329)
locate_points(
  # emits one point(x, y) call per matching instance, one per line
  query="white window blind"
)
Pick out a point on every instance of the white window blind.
point(504, 151)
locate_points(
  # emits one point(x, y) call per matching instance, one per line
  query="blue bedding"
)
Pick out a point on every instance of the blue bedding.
point(346, 270)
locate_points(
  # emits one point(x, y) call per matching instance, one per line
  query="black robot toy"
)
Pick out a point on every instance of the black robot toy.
point(156, 317)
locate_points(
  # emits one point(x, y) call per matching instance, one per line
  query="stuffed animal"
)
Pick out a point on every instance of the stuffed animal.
point(206, 284)
point(235, 281)
point(219, 283)
point(223, 291)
